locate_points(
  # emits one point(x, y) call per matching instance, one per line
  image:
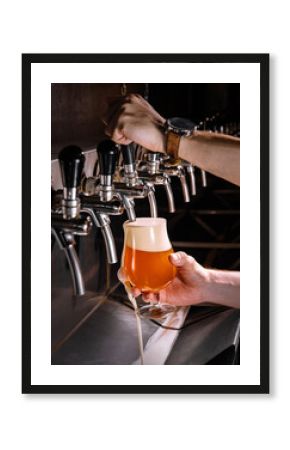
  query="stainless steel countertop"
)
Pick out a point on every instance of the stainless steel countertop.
point(109, 336)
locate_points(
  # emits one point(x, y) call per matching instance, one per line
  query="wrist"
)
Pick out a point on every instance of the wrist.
point(163, 141)
point(207, 285)
point(215, 284)
point(223, 287)
point(176, 128)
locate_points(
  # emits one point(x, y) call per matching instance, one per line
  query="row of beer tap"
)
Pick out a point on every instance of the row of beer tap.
point(123, 175)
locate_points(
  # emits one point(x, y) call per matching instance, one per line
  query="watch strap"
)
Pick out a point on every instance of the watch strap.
point(172, 145)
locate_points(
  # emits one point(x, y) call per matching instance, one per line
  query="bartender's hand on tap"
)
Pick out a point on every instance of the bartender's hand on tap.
point(133, 119)
point(194, 284)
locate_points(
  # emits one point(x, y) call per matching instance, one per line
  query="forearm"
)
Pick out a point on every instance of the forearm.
point(134, 120)
point(223, 288)
point(218, 154)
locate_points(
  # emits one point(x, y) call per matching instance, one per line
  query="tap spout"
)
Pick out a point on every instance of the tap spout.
point(184, 187)
point(152, 203)
point(203, 178)
point(169, 193)
point(103, 222)
point(190, 170)
point(129, 206)
point(66, 243)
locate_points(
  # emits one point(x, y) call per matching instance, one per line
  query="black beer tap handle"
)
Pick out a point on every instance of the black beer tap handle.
point(128, 154)
point(71, 163)
point(107, 154)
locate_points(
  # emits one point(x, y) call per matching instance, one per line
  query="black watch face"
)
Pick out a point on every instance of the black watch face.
point(181, 124)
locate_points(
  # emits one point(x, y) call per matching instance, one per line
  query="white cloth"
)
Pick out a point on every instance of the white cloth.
point(159, 345)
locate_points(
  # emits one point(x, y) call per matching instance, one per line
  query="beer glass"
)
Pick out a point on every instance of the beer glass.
point(145, 261)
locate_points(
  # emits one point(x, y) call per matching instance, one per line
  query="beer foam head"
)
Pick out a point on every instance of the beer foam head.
point(147, 234)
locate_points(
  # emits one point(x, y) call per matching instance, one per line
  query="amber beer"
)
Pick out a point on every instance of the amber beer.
point(145, 256)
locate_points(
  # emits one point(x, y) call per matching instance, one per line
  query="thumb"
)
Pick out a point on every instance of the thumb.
point(179, 259)
point(121, 275)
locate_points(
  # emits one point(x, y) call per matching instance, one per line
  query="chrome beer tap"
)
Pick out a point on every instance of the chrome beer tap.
point(99, 213)
point(150, 172)
point(179, 171)
point(129, 165)
point(171, 169)
point(107, 155)
point(140, 187)
point(126, 188)
point(98, 198)
point(101, 190)
point(71, 162)
point(64, 232)
point(103, 186)
point(67, 221)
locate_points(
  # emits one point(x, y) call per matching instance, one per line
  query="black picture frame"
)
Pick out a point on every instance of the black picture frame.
point(27, 61)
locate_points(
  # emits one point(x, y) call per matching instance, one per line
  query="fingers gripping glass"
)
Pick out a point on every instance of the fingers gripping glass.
point(145, 261)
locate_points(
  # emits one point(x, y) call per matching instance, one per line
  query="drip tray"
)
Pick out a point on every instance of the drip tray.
point(109, 337)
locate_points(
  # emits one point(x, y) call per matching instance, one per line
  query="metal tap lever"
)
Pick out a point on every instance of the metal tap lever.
point(130, 173)
point(128, 154)
point(71, 162)
point(79, 226)
point(113, 208)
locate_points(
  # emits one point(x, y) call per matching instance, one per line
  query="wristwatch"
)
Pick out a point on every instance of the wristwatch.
point(175, 128)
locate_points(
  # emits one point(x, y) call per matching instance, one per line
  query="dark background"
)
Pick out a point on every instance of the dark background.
point(196, 101)
point(77, 109)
